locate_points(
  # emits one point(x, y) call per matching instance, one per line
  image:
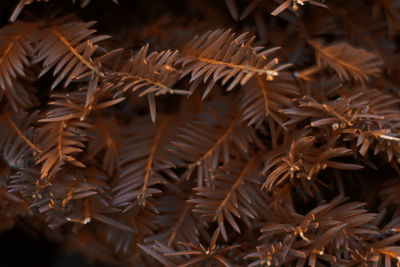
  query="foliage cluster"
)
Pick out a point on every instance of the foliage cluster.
point(250, 133)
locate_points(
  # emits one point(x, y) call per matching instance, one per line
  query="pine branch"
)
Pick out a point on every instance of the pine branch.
point(17, 139)
point(149, 75)
point(143, 162)
point(68, 46)
point(198, 254)
point(263, 99)
point(212, 138)
point(347, 61)
point(303, 160)
point(105, 142)
point(367, 117)
point(221, 55)
point(232, 190)
point(63, 134)
point(16, 44)
point(322, 234)
point(177, 222)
